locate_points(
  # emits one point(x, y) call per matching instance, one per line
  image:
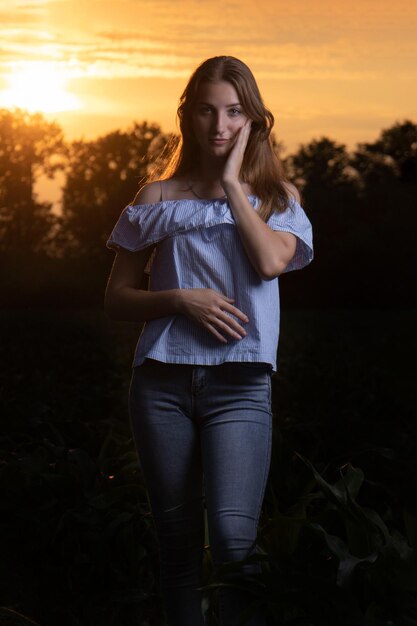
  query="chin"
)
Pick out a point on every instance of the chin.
point(219, 150)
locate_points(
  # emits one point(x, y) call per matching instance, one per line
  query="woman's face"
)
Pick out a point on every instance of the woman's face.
point(217, 117)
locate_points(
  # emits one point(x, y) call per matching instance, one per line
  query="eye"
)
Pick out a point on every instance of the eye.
point(204, 110)
point(234, 112)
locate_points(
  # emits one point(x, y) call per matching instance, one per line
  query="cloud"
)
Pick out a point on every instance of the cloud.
point(116, 54)
point(9, 19)
point(299, 42)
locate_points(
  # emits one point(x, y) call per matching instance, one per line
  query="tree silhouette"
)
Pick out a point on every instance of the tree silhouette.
point(388, 177)
point(29, 146)
point(352, 199)
point(322, 163)
point(397, 148)
point(373, 168)
point(102, 177)
point(322, 171)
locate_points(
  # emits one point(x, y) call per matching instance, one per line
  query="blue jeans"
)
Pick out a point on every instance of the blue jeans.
point(202, 431)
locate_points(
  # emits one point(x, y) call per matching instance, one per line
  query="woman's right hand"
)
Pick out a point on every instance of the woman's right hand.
point(213, 311)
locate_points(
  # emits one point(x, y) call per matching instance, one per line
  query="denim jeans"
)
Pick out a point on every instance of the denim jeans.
point(202, 432)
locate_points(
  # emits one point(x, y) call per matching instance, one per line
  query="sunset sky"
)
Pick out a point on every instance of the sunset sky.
point(345, 70)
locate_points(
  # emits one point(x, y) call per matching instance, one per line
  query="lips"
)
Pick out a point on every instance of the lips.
point(217, 141)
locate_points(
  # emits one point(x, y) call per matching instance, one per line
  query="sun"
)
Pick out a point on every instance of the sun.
point(39, 86)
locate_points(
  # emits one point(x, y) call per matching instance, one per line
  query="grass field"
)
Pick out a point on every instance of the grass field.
point(77, 540)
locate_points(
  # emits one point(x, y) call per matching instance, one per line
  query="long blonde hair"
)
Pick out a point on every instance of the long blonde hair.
point(261, 168)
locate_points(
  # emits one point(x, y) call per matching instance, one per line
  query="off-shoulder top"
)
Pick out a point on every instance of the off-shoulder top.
point(198, 246)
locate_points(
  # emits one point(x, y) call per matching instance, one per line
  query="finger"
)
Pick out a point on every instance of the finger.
point(246, 130)
point(224, 320)
point(214, 332)
point(241, 141)
point(241, 135)
point(237, 332)
point(236, 312)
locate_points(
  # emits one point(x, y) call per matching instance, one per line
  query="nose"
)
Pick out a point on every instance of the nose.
point(219, 123)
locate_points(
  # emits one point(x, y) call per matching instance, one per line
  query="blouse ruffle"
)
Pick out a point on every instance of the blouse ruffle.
point(143, 225)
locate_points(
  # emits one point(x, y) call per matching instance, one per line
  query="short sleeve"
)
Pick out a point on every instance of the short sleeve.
point(294, 220)
point(134, 230)
point(124, 234)
point(142, 225)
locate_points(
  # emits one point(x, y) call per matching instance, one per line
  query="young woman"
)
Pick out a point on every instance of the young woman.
point(221, 225)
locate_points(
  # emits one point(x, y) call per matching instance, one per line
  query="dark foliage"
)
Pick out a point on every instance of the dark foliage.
point(364, 213)
point(77, 539)
point(29, 146)
point(337, 539)
point(338, 536)
point(103, 176)
point(362, 206)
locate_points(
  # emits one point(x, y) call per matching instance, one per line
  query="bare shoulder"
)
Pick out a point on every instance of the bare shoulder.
point(149, 193)
point(169, 188)
point(292, 190)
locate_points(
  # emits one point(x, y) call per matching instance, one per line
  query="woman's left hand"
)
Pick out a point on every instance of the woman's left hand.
point(233, 164)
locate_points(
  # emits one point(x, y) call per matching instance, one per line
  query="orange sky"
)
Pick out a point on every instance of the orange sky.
point(345, 70)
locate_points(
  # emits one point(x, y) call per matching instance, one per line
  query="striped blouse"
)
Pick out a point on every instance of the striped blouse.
point(198, 246)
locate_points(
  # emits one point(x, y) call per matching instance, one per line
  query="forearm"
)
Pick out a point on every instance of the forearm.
point(205, 307)
point(137, 305)
point(268, 251)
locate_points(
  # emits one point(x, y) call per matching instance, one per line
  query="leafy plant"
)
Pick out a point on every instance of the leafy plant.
point(328, 560)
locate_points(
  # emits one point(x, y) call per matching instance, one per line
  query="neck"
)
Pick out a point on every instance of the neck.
point(209, 170)
point(204, 180)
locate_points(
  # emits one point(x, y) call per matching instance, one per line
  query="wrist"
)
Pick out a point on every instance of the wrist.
point(178, 300)
point(231, 185)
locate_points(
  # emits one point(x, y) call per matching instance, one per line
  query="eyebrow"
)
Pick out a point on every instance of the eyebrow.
point(235, 104)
